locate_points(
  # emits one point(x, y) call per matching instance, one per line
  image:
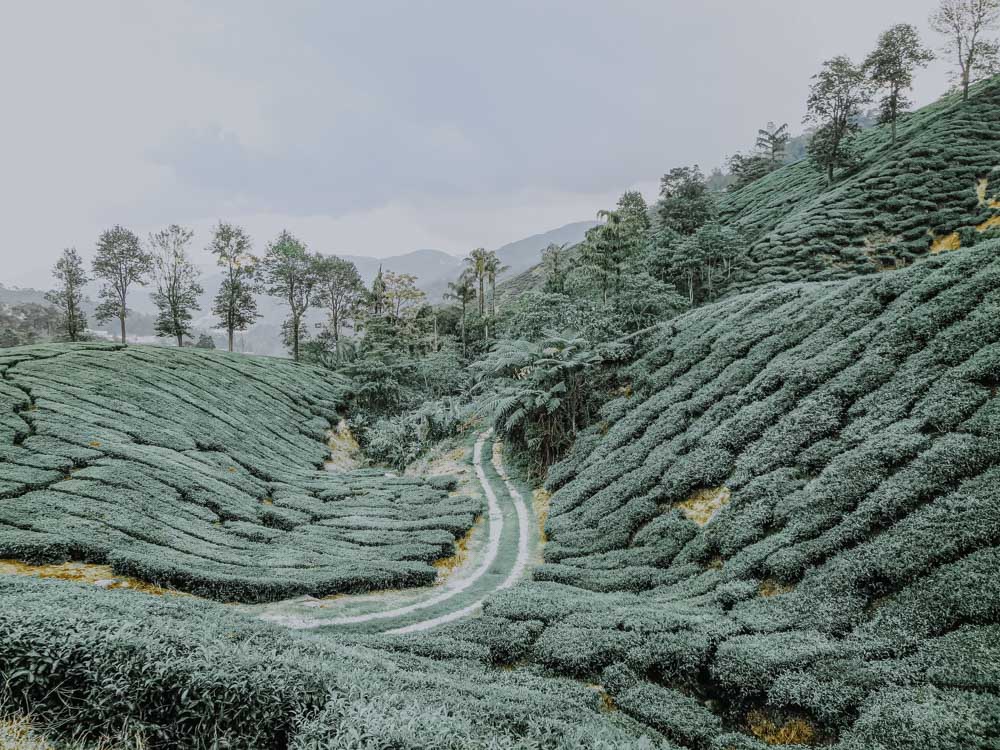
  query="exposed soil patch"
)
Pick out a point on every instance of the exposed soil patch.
point(703, 504)
point(96, 575)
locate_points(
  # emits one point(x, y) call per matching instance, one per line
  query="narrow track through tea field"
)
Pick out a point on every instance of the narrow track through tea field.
point(500, 549)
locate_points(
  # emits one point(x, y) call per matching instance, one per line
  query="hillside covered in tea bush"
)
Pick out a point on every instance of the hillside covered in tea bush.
point(937, 188)
point(785, 531)
point(791, 528)
point(203, 472)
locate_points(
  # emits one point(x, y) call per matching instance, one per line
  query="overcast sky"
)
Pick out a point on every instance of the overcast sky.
point(376, 128)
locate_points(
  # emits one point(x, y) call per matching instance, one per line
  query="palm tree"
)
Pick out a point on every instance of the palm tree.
point(493, 269)
point(771, 140)
point(478, 261)
point(462, 291)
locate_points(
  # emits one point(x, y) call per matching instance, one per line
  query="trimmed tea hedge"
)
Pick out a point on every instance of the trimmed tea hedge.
point(940, 180)
point(848, 581)
point(202, 471)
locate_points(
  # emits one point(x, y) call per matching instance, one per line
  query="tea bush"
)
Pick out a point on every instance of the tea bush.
point(855, 426)
point(203, 471)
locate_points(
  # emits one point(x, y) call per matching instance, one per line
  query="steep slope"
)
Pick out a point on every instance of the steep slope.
point(937, 188)
point(793, 528)
point(202, 471)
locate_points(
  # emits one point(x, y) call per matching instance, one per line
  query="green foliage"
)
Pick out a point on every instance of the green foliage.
point(835, 99)
point(539, 395)
point(291, 273)
point(177, 286)
point(173, 467)
point(120, 263)
point(879, 216)
point(844, 580)
point(68, 296)
point(890, 68)
point(701, 266)
point(234, 303)
point(685, 203)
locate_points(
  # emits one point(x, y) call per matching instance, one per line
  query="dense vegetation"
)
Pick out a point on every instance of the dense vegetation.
point(137, 458)
point(792, 522)
point(774, 514)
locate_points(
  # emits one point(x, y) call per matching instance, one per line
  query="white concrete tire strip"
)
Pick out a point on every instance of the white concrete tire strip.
point(523, 542)
point(496, 525)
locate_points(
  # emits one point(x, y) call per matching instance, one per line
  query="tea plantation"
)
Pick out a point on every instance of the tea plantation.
point(936, 189)
point(203, 472)
point(791, 530)
point(787, 533)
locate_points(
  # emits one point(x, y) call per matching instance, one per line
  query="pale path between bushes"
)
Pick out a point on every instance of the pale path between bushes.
point(460, 595)
point(524, 526)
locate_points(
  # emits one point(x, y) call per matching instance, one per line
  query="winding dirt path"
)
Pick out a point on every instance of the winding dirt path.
point(511, 539)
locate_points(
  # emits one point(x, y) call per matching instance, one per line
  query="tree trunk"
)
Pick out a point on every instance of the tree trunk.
point(180, 339)
point(295, 339)
point(829, 173)
point(122, 321)
point(230, 336)
point(482, 298)
point(893, 131)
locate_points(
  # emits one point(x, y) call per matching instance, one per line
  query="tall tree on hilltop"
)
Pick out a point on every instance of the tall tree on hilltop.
point(340, 292)
point(890, 69)
point(965, 23)
point(235, 304)
point(478, 261)
point(685, 201)
point(835, 100)
point(177, 286)
point(771, 141)
point(121, 263)
point(68, 295)
point(289, 272)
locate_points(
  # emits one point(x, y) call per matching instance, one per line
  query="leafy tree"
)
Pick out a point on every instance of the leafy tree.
point(177, 286)
point(890, 69)
point(634, 213)
point(235, 304)
point(401, 295)
point(555, 266)
point(290, 273)
point(539, 395)
point(748, 168)
point(965, 23)
point(68, 296)
point(685, 201)
point(603, 252)
point(341, 291)
point(120, 262)
point(462, 291)
point(701, 265)
point(835, 100)
point(205, 342)
point(771, 141)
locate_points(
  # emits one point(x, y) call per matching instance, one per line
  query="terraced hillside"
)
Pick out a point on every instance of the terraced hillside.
point(936, 189)
point(792, 530)
point(203, 472)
